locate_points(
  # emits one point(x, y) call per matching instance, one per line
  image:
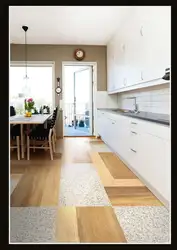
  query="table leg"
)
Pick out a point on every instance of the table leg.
point(22, 142)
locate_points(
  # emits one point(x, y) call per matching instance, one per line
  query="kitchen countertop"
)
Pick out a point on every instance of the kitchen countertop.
point(153, 117)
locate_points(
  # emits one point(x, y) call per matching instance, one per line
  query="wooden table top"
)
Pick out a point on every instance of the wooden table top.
point(34, 119)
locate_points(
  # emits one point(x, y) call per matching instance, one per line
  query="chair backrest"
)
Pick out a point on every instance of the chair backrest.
point(52, 123)
point(12, 111)
point(55, 113)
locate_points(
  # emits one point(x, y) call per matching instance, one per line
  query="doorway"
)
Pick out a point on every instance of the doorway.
point(78, 99)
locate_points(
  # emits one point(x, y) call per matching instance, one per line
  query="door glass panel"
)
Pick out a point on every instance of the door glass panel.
point(78, 118)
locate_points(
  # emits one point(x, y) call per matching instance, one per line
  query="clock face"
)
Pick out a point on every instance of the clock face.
point(58, 90)
point(79, 54)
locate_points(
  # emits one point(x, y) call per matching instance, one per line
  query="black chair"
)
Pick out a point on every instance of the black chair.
point(43, 137)
point(15, 139)
point(55, 112)
point(12, 111)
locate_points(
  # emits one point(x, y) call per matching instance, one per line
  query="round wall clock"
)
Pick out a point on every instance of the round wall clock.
point(79, 54)
point(58, 89)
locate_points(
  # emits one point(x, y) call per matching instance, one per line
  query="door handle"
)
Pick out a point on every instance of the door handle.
point(133, 123)
point(141, 75)
point(133, 132)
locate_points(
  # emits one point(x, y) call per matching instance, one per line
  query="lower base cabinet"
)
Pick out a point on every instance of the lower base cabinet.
point(147, 153)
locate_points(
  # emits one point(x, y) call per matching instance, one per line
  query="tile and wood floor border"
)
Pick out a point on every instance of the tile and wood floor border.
point(39, 185)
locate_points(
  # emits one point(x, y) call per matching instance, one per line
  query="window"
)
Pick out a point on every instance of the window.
point(38, 86)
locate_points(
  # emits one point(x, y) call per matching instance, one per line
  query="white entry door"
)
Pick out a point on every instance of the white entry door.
point(83, 99)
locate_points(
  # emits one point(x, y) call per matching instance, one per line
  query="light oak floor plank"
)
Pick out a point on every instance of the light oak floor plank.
point(76, 150)
point(39, 186)
point(103, 172)
point(29, 190)
point(116, 167)
point(131, 196)
point(66, 225)
point(98, 225)
point(127, 183)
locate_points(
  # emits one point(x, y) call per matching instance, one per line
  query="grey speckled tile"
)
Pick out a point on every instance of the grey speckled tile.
point(143, 224)
point(80, 185)
point(34, 224)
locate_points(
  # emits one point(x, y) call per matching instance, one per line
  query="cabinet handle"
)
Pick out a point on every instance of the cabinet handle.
point(133, 123)
point(133, 150)
point(133, 132)
point(141, 30)
point(113, 122)
point(141, 75)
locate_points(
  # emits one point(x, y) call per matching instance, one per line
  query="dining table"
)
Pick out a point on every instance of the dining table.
point(35, 119)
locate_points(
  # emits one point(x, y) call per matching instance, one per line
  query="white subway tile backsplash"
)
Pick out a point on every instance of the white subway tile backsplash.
point(154, 99)
point(103, 100)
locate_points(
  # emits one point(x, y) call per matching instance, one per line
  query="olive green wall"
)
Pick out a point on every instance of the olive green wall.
point(59, 53)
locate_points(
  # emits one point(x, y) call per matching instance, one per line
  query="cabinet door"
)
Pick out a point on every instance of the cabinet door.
point(119, 60)
point(99, 122)
point(155, 49)
point(133, 52)
point(105, 131)
point(151, 164)
point(110, 67)
point(121, 138)
point(111, 135)
point(167, 192)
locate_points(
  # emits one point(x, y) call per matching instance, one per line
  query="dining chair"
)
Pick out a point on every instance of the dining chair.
point(15, 139)
point(54, 116)
point(54, 128)
point(44, 138)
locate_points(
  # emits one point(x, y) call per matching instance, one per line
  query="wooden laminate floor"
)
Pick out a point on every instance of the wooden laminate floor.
point(78, 197)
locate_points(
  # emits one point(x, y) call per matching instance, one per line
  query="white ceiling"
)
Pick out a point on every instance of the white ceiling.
point(89, 25)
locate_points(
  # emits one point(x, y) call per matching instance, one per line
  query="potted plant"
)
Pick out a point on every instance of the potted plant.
point(29, 105)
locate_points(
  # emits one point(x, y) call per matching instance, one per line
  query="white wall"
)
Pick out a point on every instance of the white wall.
point(156, 99)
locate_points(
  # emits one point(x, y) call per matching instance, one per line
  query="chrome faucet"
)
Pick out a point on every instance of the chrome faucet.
point(135, 104)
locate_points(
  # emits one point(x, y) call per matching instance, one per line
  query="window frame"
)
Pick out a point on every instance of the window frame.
point(37, 64)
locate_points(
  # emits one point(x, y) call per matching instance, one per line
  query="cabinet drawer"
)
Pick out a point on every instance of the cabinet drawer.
point(155, 129)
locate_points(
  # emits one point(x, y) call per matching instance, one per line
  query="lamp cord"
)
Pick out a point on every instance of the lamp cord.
point(26, 55)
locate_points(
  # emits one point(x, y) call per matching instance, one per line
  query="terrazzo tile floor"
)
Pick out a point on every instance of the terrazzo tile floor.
point(80, 185)
point(85, 211)
point(144, 224)
point(34, 224)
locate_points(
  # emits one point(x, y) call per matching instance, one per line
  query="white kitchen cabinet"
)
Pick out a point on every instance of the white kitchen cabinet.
point(133, 51)
point(154, 23)
point(152, 165)
point(143, 145)
point(140, 51)
point(101, 124)
point(167, 191)
point(110, 67)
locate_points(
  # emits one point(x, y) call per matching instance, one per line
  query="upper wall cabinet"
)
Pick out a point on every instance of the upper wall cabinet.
point(140, 51)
